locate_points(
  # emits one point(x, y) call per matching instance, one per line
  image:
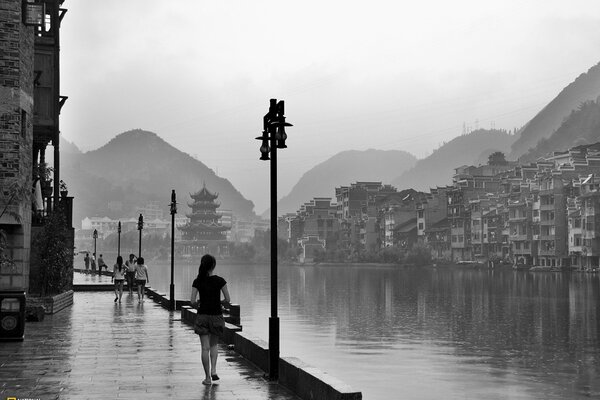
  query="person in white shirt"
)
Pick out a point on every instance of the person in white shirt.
point(141, 278)
point(119, 277)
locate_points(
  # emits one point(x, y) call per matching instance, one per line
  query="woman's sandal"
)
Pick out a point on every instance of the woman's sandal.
point(214, 377)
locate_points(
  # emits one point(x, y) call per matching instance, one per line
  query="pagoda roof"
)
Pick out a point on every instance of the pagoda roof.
point(199, 225)
point(204, 194)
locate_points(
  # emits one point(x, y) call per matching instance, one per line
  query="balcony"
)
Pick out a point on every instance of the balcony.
point(546, 222)
point(546, 207)
point(518, 237)
point(546, 252)
point(522, 252)
point(517, 218)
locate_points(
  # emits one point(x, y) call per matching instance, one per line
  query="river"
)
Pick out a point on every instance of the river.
point(425, 333)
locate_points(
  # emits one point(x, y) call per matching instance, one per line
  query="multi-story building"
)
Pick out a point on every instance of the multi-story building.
point(314, 224)
point(430, 210)
point(397, 215)
point(520, 234)
point(30, 104)
point(590, 223)
point(552, 234)
point(357, 210)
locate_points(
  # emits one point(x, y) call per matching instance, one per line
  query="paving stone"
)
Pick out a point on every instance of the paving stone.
point(98, 349)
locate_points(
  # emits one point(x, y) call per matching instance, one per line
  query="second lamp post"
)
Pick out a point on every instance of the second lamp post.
point(140, 228)
point(273, 138)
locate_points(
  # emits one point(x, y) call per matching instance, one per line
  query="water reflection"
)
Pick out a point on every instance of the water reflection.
point(432, 333)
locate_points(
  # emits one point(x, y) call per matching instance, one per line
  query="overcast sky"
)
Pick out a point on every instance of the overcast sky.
point(354, 75)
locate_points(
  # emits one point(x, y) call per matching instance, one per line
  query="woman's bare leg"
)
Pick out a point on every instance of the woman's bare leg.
point(205, 342)
point(214, 353)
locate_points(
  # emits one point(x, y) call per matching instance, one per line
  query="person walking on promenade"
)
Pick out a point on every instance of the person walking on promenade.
point(119, 276)
point(86, 261)
point(101, 264)
point(93, 263)
point(130, 273)
point(209, 325)
point(141, 278)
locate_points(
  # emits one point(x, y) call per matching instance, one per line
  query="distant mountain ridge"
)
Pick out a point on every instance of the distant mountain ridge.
point(550, 118)
point(136, 167)
point(581, 127)
point(438, 168)
point(342, 169)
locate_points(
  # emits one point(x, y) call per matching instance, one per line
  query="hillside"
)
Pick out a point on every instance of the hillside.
point(343, 169)
point(585, 87)
point(582, 126)
point(438, 168)
point(136, 167)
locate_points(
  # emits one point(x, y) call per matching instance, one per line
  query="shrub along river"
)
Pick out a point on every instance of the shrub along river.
point(426, 333)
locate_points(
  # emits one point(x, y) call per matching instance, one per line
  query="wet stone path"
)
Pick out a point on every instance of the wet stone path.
point(99, 349)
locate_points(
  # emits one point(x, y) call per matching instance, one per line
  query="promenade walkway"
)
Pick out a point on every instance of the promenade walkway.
point(99, 349)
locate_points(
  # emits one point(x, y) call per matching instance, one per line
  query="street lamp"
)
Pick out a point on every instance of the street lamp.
point(172, 287)
point(119, 241)
point(273, 138)
point(140, 227)
point(95, 236)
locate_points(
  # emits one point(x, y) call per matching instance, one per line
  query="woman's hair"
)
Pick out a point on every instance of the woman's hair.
point(207, 263)
point(132, 255)
point(120, 262)
point(140, 260)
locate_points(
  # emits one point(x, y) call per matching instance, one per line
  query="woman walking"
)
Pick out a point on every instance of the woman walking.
point(130, 273)
point(119, 276)
point(141, 278)
point(209, 325)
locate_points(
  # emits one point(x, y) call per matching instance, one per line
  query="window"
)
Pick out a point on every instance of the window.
point(23, 124)
point(420, 213)
point(420, 226)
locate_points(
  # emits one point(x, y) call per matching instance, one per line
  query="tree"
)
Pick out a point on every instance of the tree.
point(54, 255)
point(497, 158)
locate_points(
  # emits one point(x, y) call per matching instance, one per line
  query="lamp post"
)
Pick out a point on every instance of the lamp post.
point(95, 236)
point(172, 287)
point(119, 240)
point(273, 138)
point(140, 227)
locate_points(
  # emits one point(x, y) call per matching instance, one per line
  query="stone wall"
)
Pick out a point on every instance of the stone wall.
point(16, 139)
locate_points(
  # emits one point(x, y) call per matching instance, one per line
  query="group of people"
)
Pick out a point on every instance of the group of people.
point(133, 270)
point(87, 260)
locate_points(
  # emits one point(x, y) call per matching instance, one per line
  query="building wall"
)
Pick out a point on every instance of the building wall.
point(16, 137)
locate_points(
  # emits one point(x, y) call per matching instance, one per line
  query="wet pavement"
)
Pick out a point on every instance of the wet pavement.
point(99, 349)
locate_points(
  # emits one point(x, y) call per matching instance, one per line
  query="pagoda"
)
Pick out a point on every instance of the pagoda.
point(204, 232)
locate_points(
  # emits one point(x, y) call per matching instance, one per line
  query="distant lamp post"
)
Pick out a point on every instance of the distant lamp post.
point(95, 236)
point(140, 228)
point(273, 138)
point(119, 240)
point(172, 287)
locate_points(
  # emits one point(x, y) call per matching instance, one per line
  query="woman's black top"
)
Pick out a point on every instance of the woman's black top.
point(210, 294)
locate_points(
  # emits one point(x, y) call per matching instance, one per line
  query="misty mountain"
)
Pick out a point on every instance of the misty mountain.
point(68, 147)
point(343, 169)
point(582, 126)
point(549, 119)
point(438, 168)
point(136, 167)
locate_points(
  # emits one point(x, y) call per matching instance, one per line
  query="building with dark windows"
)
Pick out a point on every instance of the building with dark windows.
point(30, 105)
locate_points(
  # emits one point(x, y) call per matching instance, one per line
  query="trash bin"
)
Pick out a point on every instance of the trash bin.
point(12, 315)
